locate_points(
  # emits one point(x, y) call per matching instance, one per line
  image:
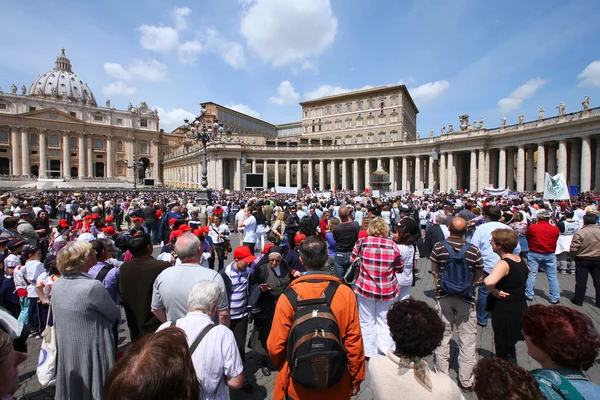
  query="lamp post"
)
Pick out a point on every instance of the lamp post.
point(201, 129)
point(134, 166)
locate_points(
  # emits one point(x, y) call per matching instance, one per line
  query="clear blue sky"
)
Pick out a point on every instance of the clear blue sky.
point(486, 59)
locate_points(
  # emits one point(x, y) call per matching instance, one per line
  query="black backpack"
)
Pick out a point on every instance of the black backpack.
point(315, 352)
point(456, 278)
point(103, 272)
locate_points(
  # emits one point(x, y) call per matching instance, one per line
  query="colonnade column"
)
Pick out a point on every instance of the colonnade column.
point(481, 170)
point(25, 151)
point(355, 176)
point(155, 159)
point(521, 169)
point(14, 144)
point(310, 175)
point(405, 185)
point(90, 160)
point(219, 174)
point(237, 181)
point(574, 164)
point(431, 182)
point(288, 173)
point(265, 174)
point(501, 169)
point(110, 158)
point(529, 169)
point(276, 177)
point(418, 182)
point(541, 169)
point(321, 175)
point(43, 154)
point(392, 172)
point(586, 164)
point(81, 154)
point(597, 178)
point(510, 169)
point(451, 172)
point(473, 172)
point(442, 173)
point(253, 166)
point(334, 175)
point(562, 157)
point(66, 164)
point(367, 174)
point(551, 155)
point(299, 174)
point(344, 182)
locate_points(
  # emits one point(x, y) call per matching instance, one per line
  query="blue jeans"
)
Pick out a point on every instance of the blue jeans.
point(482, 315)
point(24, 316)
point(548, 261)
point(341, 262)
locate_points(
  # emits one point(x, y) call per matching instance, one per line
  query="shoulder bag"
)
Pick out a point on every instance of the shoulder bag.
point(353, 270)
point(46, 368)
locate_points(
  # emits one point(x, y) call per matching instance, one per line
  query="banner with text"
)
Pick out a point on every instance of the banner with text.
point(555, 187)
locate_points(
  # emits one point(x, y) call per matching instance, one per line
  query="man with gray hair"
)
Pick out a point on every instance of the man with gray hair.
point(173, 285)
point(213, 348)
point(345, 236)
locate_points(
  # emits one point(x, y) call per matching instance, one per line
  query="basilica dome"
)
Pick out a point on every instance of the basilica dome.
point(62, 83)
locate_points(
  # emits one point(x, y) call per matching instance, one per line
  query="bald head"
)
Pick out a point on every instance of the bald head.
point(458, 227)
point(343, 213)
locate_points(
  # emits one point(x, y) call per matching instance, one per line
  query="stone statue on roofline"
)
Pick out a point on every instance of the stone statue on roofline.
point(418, 134)
point(108, 103)
point(474, 125)
point(521, 117)
point(443, 130)
point(541, 114)
point(503, 121)
point(585, 104)
point(23, 90)
point(13, 88)
point(561, 108)
point(450, 128)
point(431, 133)
point(481, 123)
point(464, 122)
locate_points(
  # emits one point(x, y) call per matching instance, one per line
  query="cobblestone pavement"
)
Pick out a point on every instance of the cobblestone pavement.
point(262, 386)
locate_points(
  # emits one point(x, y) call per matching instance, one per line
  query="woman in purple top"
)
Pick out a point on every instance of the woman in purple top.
point(329, 237)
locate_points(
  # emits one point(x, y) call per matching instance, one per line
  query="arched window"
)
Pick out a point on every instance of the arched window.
point(54, 140)
point(33, 139)
point(119, 146)
point(73, 143)
point(3, 136)
point(144, 148)
point(98, 144)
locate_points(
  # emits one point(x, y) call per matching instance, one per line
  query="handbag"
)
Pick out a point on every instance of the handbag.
point(272, 237)
point(351, 274)
point(46, 368)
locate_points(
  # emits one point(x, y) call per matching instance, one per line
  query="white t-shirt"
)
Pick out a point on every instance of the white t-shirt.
point(239, 217)
point(31, 271)
point(250, 230)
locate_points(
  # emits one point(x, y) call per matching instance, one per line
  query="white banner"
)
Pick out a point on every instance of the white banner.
point(490, 191)
point(555, 187)
point(286, 190)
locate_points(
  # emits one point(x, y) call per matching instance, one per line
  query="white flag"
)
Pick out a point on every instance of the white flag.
point(555, 187)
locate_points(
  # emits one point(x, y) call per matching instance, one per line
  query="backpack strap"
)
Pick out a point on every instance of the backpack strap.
point(103, 272)
point(454, 254)
point(451, 252)
point(464, 250)
point(201, 336)
point(327, 296)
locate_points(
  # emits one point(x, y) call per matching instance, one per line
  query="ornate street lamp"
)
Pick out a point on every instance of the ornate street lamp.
point(134, 166)
point(201, 129)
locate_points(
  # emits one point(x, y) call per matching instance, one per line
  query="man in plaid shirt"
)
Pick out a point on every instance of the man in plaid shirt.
point(376, 287)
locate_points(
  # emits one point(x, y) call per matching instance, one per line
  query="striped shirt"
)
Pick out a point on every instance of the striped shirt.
point(440, 255)
point(239, 292)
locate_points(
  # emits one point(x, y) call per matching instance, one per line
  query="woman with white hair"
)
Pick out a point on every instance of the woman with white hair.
point(215, 355)
point(84, 314)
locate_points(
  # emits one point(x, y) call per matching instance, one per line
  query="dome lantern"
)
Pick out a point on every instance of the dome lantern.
point(62, 62)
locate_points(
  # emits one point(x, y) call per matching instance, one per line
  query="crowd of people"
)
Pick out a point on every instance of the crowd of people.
point(323, 280)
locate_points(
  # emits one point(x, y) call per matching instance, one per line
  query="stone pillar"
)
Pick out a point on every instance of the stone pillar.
point(25, 151)
point(253, 166)
point(321, 175)
point(521, 169)
point(299, 174)
point(288, 173)
point(367, 174)
point(574, 164)
point(541, 169)
point(276, 178)
point(501, 169)
point(110, 157)
point(66, 159)
point(451, 172)
point(265, 174)
point(344, 182)
point(405, 185)
point(310, 174)
point(486, 165)
point(431, 180)
point(418, 170)
point(442, 173)
point(551, 156)
point(43, 154)
point(334, 175)
point(597, 165)
point(155, 159)
point(529, 169)
point(237, 177)
point(14, 144)
point(562, 157)
point(473, 172)
point(392, 172)
point(355, 176)
point(481, 170)
point(89, 157)
point(81, 154)
point(586, 165)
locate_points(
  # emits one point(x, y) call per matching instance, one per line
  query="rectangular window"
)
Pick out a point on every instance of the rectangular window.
point(305, 114)
point(73, 154)
point(144, 123)
point(73, 114)
point(359, 106)
point(3, 106)
point(359, 122)
point(394, 118)
point(338, 109)
point(34, 152)
point(348, 107)
point(119, 121)
point(98, 118)
point(394, 100)
point(381, 119)
point(32, 109)
point(370, 121)
point(348, 123)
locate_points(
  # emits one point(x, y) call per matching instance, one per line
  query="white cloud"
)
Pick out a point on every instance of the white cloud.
point(287, 94)
point(149, 70)
point(118, 88)
point(285, 32)
point(590, 75)
point(520, 94)
point(188, 51)
point(328, 90)
point(179, 15)
point(231, 52)
point(170, 120)
point(162, 39)
point(429, 91)
point(244, 109)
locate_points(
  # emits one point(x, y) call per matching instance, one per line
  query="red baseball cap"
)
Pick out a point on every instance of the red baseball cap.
point(184, 228)
point(110, 218)
point(197, 232)
point(299, 237)
point(137, 219)
point(265, 249)
point(88, 218)
point(109, 230)
point(218, 210)
point(243, 253)
point(172, 221)
point(63, 223)
point(204, 229)
point(177, 233)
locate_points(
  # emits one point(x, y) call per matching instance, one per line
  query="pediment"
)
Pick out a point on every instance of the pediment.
point(50, 114)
